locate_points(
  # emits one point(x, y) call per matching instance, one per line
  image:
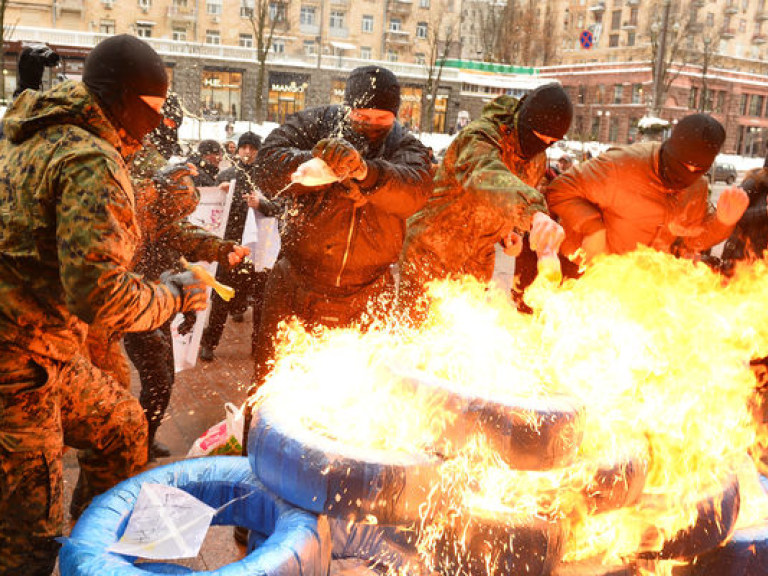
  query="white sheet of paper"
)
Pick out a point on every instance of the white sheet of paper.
point(166, 523)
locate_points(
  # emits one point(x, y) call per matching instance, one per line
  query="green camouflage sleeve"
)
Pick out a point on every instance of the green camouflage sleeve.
point(195, 242)
point(96, 237)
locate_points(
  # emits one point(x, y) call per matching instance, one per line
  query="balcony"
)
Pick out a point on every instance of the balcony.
point(181, 14)
point(69, 5)
point(398, 37)
point(339, 3)
point(728, 33)
point(630, 25)
point(732, 9)
point(633, 2)
point(399, 7)
point(759, 38)
point(309, 29)
point(762, 15)
point(338, 32)
point(598, 8)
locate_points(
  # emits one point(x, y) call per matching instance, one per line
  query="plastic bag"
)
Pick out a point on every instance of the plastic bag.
point(314, 172)
point(223, 439)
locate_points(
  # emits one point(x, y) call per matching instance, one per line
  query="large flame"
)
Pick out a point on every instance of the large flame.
point(656, 348)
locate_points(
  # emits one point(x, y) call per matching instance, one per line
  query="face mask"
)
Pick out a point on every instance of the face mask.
point(530, 144)
point(675, 174)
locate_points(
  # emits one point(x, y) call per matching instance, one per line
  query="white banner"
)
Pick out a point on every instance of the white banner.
point(211, 213)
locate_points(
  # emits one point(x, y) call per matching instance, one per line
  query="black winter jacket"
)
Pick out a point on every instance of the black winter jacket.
point(329, 239)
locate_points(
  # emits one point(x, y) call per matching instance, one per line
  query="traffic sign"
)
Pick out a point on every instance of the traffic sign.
point(586, 39)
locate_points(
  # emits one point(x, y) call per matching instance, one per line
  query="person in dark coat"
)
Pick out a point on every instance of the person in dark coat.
point(340, 240)
point(206, 160)
point(248, 283)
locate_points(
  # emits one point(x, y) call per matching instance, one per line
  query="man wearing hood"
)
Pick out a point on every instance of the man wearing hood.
point(341, 239)
point(485, 192)
point(67, 235)
point(652, 194)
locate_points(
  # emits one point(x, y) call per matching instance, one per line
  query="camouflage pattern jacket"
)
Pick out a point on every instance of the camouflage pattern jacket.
point(68, 229)
point(484, 189)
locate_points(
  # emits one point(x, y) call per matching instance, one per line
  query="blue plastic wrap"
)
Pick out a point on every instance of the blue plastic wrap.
point(299, 542)
point(325, 476)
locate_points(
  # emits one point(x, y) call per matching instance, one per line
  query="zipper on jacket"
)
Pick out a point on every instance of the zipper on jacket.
point(349, 246)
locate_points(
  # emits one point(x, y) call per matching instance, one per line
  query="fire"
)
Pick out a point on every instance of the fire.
point(657, 349)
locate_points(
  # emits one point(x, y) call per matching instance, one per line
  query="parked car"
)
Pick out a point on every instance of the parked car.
point(724, 172)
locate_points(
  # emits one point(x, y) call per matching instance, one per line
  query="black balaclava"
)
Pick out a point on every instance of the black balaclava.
point(118, 71)
point(166, 137)
point(695, 141)
point(546, 110)
point(372, 87)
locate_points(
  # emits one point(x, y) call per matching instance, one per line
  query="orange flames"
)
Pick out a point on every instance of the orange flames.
point(656, 348)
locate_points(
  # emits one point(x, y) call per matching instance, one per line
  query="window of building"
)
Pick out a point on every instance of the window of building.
point(310, 47)
point(246, 8)
point(421, 30)
point(599, 94)
point(742, 25)
point(423, 3)
point(246, 40)
point(613, 130)
point(391, 56)
point(756, 105)
point(613, 41)
point(720, 102)
point(144, 30)
point(307, 15)
point(367, 23)
point(580, 21)
point(615, 19)
point(633, 14)
point(618, 93)
point(743, 104)
point(107, 26)
point(213, 7)
point(630, 38)
point(582, 93)
point(395, 25)
point(278, 46)
point(632, 130)
point(179, 34)
point(420, 58)
point(365, 53)
point(710, 19)
point(594, 132)
point(337, 19)
point(213, 37)
point(693, 98)
point(180, 3)
point(221, 93)
point(637, 94)
point(277, 11)
point(145, 4)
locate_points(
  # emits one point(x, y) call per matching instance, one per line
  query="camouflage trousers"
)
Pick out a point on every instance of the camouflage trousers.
point(45, 405)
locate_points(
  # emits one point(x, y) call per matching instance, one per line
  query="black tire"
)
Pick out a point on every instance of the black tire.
point(326, 476)
point(617, 484)
point(299, 542)
point(528, 433)
point(717, 515)
point(745, 554)
point(533, 549)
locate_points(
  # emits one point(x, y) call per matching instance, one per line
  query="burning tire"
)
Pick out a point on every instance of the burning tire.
point(326, 476)
point(745, 554)
point(298, 542)
point(496, 547)
point(528, 433)
point(717, 515)
point(617, 484)
point(593, 569)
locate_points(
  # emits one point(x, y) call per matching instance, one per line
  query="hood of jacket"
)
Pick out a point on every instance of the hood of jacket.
point(66, 103)
point(502, 109)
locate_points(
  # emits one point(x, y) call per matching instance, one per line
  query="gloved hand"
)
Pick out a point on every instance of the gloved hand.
point(175, 178)
point(188, 323)
point(236, 254)
point(341, 157)
point(188, 289)
point(512, 244)
point(731, 205)
point(32, 61)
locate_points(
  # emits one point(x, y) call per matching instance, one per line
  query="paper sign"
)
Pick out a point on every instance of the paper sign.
point(166, 523)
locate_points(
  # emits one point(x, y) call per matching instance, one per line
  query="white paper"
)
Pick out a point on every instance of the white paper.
point(262, 235)
point(166, 523)
point(314, 172)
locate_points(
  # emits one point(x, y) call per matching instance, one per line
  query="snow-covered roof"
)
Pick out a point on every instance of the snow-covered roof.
point(651, 121)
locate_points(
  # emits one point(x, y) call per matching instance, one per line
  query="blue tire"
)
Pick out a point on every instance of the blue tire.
point(537, 433)
point(298, 542)
point(326, 476)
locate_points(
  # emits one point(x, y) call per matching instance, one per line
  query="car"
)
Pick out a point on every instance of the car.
point(724, 172)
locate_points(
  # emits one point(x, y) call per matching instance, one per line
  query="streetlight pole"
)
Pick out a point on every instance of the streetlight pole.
point(661, 51)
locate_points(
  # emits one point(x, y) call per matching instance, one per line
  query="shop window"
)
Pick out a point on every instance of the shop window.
point(367, 23)
point(286, 95)
point(410, 107)
point(221, 94)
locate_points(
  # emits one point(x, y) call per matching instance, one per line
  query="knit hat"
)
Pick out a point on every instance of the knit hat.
point(694, 143)
point(208, 147)
point(249, 138)
point(373, 87)
point(546, 110)
point(119, 71)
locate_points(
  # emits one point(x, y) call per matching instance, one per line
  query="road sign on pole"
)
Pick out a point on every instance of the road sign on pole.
point(586, 39)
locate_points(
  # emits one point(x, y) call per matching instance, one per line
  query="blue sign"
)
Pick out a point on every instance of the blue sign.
point(586, 39)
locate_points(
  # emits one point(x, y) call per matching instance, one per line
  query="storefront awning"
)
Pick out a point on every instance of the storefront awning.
point(344, 45)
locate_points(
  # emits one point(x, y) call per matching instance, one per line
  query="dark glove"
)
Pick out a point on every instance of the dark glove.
point(32, 61)
point(189, 290)
point(175, 178)
point(188, 323)
point(341, 157)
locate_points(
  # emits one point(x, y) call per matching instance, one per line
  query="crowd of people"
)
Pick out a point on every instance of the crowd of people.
point(93, 220)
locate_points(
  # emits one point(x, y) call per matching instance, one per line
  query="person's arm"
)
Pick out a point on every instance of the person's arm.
point(718, 223)
point(95, 229)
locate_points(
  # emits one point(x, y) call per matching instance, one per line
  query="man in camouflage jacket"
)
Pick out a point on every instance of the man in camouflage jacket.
point(67, 235)
point(485, 191)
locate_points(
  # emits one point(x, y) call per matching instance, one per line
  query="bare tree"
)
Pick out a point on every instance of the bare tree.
point(516, 36)
point(264, 17)
point(441, 32)
point(487, 21)
point(4, 33)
